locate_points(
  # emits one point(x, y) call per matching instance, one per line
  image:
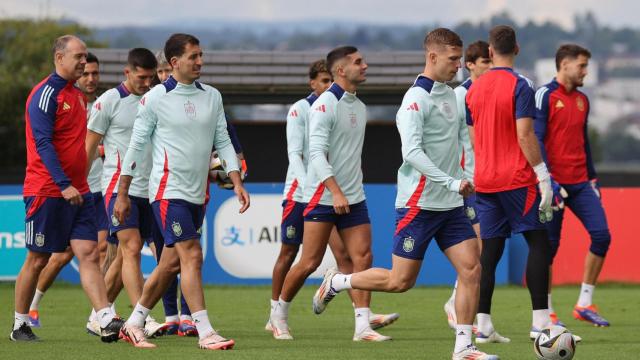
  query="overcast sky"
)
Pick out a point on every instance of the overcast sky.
point(616, 13)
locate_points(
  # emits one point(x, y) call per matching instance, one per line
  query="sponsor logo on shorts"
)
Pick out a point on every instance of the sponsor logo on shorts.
point(40, 239)
point(176, 228)
point(471, 212)
point(407, 244)
point(114, 220)
point(291, 232)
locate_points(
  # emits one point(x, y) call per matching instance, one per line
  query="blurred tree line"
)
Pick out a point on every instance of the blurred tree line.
point(25, 59)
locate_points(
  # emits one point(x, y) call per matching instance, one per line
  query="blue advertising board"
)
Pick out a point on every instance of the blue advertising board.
point(242, 248)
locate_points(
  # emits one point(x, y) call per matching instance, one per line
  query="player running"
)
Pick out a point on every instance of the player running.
point(477, 62)
point(182, 119)
point(59, 207)
point(88, 84)
point(429, 202)
point(292, 226)
point(333, 189)
point(561, 126)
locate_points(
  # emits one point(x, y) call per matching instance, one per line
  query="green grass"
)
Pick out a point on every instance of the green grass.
point(241, 313)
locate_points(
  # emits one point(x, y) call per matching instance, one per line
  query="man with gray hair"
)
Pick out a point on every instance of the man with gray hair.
point(59, 208)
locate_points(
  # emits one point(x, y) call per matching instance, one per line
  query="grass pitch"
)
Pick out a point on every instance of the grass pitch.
point(241, 313)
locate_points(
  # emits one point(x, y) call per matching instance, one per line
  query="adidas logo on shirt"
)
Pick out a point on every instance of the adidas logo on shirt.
point(66, 106)
point(294, 113)
point(413, 107)
point(321, 108)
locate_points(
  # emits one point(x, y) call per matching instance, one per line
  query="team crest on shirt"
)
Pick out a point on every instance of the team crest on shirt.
point(354, 120)
point(407, 244)
point(190, 109)
point(176, 228)
point(114, 221)
point(40, 239)
point(291, 232)
point(580, 103)
point(447, 110)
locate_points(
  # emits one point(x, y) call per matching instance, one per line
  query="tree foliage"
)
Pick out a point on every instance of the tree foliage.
point(25, 59)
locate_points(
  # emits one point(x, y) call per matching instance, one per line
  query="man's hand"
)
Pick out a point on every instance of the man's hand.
point(340, 204)
point(122, 207)
point(546, 192)
point(243, 197)
point(466, 188)
point(596, 187)
point(559, 194)
point(72, 195)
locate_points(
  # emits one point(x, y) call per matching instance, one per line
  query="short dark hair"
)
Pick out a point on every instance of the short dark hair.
point(502, 39)
point(476, 50)
point(571, 51)
point(317, 67)
point(337, 54)
point(176, 44)
point(141, 58)
point(92, 58)
point(441, 37)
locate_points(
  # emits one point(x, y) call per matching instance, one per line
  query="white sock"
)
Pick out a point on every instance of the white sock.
point(281, 310)
point(93, 315)
point(362, 319)
point(541, 319)
point(485, 325)
point(452, 299)
point(36, 300)
point(138, 315)
point(586, 295)
point(172, 318)
point(341, 282)
point(20, 319)
point(149, 318)
point(113, 307)
point(201, 319)
point(463, 337)
point(549, 303)
point(105, 316)
point(274, 303)
point(186, 318)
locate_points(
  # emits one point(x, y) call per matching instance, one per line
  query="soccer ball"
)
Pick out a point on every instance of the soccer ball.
point(554, 343)
point(218, 175)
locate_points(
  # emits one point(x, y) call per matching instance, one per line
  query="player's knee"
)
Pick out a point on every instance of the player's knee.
point(310, 265)
point(38, 261)
point(554, 249)
point(600, 241)
point(288, 253)
point(471, 274)
point(362, 261)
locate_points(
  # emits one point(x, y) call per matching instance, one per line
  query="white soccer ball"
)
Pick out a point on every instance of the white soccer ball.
point(554, 343)
point(218, 175)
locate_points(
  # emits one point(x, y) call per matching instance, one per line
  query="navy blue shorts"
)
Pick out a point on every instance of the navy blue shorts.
point(358, 215)
point(178, 220)
point(506, 212)
point(587, 207)
point(51, 222)
point(102, 220)
point(470, 209)
point(292, 225)
point(140, 217)
point(416, 227)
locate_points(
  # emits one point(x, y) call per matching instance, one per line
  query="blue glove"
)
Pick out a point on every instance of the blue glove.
point(559, 194)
